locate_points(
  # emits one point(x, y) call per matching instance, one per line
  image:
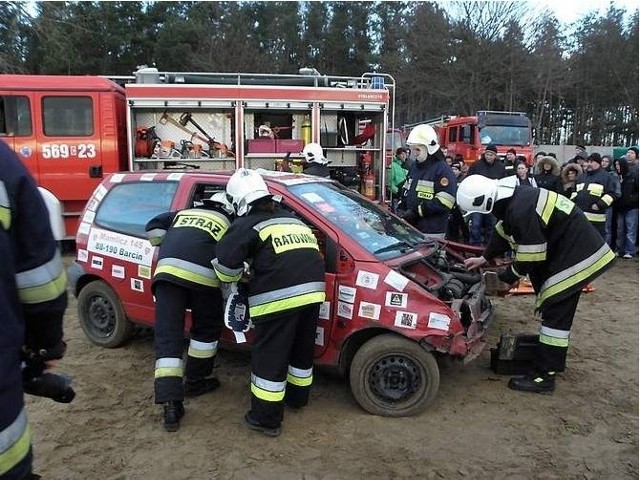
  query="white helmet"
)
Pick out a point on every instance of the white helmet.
point(313, 153)
point(424, 135)
point(245, 187)
point(477, 193)
point(220, 198)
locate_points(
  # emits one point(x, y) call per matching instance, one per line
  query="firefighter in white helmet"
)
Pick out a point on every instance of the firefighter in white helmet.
point(286, 287)
point(184, 278)
point(544, 229)
point(316, 162)
point(429, 192)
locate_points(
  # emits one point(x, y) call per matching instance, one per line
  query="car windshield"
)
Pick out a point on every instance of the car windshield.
point(377, 231)
point(505, 135)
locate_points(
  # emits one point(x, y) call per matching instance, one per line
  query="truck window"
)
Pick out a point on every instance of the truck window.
point(15, 116)
point(466, 133)
point(453, 134)
point(67, 116)
point(128, 207)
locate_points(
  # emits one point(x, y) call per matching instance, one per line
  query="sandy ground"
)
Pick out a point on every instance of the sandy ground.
point(477, 428)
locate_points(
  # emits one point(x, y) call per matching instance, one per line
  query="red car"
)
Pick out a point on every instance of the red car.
point(395, 299)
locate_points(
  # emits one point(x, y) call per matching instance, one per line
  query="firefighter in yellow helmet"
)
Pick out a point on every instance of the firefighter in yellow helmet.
point(543, 228)
point(429, 193)
point(286, 288)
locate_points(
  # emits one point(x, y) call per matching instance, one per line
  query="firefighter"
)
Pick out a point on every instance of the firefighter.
point(317, 163)
point(286, 288)
point(184, 278)
point(596, 189)
point(429, 192)
point(33, 299)
point(555, 245)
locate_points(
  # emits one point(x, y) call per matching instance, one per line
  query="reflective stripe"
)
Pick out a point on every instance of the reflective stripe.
point(425, 185)
point(156, 236)
point(213, 223)
point(446, 199)
point(532, 253)
point(595, 189)
point(596, 217)
point(277, 221)
point(202, 349)
point(564, 204)
point(168, 367)
point(188, 271)
point(287, 304)
point(43, 283)
point(287, 292)
point(5, 207)
point(499, 227)
point(15, 441)
point(285, 238)
point(575, 274)
point(553, 340)
point(554, 332)
point(515, 272)
point(608, 199)
point(225, 274)
point(545, 204)
point(300, 377)
point(267, 390)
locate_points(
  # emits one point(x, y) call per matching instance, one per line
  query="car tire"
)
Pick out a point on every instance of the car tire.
point(392, 376)
point(102, 317)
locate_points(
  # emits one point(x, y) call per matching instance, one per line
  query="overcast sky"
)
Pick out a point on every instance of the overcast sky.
point(568, 11)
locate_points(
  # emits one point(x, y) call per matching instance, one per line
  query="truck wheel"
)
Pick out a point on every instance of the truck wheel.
point(101, 315)
point(393, 377)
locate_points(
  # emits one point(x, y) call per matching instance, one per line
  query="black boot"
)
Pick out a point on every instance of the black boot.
point(538, 382)
point(258, 427)
point(173, 412)
point(193, 388)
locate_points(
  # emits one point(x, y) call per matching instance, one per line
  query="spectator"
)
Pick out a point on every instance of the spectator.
point(632, 157)
point(627, 209)
point(595, 192)
point(457, 229)
point(448, 159)
point(569, 175)
point(610, 223)
point(396, 176)
point(547, 174)
point(522, 172)
point(510, 163)
point(481, 226)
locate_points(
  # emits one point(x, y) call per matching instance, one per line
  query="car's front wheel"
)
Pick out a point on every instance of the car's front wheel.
point(393, 376)
point(101, 315)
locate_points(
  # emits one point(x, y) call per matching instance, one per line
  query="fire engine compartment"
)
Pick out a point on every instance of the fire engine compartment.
point(226, 121)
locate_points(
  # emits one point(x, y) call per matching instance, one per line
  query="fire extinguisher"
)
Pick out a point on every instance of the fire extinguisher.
point(368, 178)
point(305, 130)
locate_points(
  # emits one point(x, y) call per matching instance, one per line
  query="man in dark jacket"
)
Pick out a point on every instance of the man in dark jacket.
point(627, 209)
point(184, 278)
point(595, 192)
point(481, 226)
point(555, 245)
point(33, 299)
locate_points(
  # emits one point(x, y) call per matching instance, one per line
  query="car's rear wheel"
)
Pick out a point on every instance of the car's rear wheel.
point(393, 376)
point(101, 315)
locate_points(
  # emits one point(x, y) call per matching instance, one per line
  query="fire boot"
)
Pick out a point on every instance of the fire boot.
point(194, 388)
point(258, 427)
point(173, 412)
point(538, 382)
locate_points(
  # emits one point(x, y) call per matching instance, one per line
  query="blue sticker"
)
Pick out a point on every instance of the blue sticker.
point(26, 151)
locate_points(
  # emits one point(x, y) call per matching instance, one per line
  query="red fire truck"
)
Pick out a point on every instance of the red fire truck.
point(71, 131)
point(469, 135)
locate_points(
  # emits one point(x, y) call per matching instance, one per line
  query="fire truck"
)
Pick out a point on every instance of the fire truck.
point(71, 131)
point(469, 135)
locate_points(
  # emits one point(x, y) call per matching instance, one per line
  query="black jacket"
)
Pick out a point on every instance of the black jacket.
point(494, 170)
point(595, 187)
point(317, 170)
point(629, 179)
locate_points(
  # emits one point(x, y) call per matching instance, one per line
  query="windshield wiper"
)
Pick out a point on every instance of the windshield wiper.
point(402, 246)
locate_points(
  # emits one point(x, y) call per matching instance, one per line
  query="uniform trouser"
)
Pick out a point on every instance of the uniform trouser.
point(553, 342)
point(282, 363)
point(207, 317)
point(15, 435)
